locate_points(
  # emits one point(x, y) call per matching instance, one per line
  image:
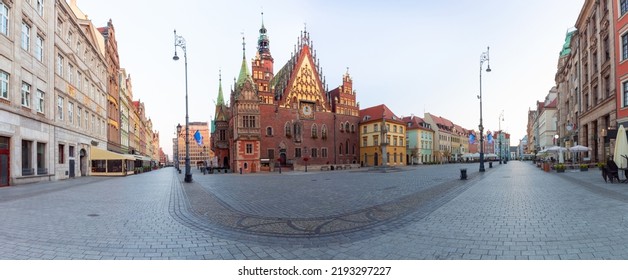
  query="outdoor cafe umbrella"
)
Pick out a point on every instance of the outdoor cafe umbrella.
point(579, 149)
point(621, 148)
point(559, 150)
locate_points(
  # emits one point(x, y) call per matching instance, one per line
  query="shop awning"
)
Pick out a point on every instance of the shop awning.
point(136, 157)
point(100, 154)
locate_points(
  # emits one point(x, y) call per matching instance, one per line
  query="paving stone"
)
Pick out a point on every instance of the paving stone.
point(513, 211)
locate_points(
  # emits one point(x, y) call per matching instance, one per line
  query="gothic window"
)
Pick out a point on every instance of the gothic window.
point(324, 132)
point(288, 129)
point(347, 147)
point(269, 131)
point(314, 131)
point(347, 127)
point(352, 128)
point(340, 149)
point(297, 132)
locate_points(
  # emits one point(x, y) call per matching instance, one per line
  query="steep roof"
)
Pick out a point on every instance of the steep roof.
point(443, 122)
point(552, 104)
point(302, 59)
point(414, 122)
point(377, 112)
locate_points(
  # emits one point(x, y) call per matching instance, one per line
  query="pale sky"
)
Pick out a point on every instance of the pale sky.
point(413, 56)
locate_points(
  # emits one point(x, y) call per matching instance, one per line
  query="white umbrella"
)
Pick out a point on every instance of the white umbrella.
point(579, 148)
point(556, 149)
point(559, 150)
point(621, 147)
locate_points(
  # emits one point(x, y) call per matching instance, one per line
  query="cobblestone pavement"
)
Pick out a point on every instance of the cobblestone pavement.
point(512, 211)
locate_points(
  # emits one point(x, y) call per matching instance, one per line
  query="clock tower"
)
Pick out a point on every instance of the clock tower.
point(263, 66)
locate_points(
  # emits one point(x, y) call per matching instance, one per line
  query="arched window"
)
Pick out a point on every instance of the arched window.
point(314, 131)
point(347, 147)
point(269, 131)
point(347, 127)
point(324, 132)
point(297, 132)
point(340, 149)
point(288, 129)
point(352, 128)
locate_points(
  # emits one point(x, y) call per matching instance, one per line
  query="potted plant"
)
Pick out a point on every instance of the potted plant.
point(560, 168)
point(600, 165)
point(584, 167)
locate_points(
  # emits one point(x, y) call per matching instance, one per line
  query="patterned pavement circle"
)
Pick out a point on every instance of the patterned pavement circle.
point(209, 209)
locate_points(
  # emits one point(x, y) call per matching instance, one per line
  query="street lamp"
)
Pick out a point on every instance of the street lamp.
point(501, 118)
point(483, 58)
point(305, 158)
point(178, 135)
point(279, 158)
point(179, 41)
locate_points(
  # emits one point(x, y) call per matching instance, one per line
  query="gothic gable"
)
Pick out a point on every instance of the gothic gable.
point(305, 83)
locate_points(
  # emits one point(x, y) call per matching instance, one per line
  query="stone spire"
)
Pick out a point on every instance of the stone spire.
point(221, 99)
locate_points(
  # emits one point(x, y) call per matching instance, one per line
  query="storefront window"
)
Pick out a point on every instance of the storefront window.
point(99, 166)
point(114, 165)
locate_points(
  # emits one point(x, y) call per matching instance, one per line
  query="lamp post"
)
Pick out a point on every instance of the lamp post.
point(483, 58)
point(384, 142)
point(179, 41)
point(305, 158)
point(279, 158)
point(501, 118)
point(178, 135)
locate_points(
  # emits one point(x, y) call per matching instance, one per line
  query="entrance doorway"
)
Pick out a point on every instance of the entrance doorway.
point(282, 158)
point(72, 168)
point(376, 160)
point(83, 162)
point(4, 161)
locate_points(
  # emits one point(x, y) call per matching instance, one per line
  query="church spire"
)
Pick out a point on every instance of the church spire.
point(221, 99)
point(244, 69)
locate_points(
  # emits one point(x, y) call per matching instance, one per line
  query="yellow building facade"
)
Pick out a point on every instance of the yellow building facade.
point(382, 137)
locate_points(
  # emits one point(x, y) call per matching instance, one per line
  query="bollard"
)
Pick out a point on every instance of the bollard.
point(463, 173)
point(490, 164)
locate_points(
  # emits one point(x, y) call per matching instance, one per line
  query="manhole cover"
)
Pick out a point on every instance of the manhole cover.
point(93, 215)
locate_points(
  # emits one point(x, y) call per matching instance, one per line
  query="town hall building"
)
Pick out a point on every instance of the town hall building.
point(285, 120)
